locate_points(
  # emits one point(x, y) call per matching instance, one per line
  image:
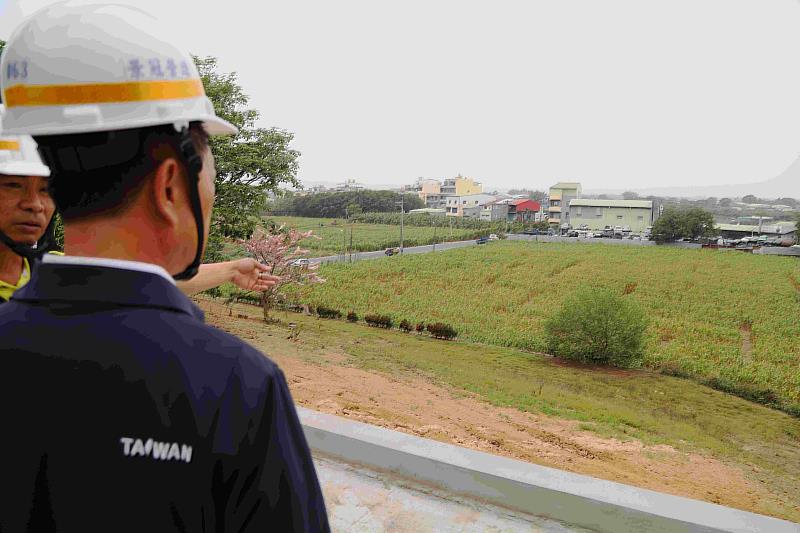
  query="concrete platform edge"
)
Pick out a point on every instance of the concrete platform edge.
point(574, 499)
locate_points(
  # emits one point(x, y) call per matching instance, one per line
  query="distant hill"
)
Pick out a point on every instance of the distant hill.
point(786, 184)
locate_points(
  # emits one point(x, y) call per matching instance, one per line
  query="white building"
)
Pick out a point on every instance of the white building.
point(455, 205)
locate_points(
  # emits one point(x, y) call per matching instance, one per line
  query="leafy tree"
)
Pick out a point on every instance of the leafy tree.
point(542, 225)
point(787, 201)
point(354, 209)
point(630, 195)
point(249, 164)
point(725, 202)
point(58, 234)
point(797, 225)
point(334, 204)
point(683, 223)
point(596, 325)
point(750, 199)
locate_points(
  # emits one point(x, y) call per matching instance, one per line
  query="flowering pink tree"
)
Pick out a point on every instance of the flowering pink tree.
point(281, 251)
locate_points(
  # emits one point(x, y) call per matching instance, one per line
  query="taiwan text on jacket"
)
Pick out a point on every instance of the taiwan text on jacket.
point(122, 411)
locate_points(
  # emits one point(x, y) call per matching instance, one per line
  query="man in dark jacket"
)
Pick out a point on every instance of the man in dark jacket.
point(121, 410)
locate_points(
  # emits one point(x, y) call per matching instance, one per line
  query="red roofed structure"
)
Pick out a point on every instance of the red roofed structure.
point(523, 210)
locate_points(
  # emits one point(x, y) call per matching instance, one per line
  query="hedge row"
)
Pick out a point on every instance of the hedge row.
point(437, 330)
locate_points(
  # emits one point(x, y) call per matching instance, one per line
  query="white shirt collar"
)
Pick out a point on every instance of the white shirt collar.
point(108, 263)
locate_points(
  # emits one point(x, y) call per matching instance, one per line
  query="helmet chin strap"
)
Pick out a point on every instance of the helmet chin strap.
point(31, 252)
point(193, 164)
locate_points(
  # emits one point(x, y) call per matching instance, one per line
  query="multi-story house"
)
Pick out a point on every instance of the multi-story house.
point(558, 207)
point(460, 186)
point(455, 205)
point(430, 192)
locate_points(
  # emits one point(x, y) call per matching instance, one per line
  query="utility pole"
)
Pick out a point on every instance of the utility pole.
point(351, 241)
point(344, 235)
point(402, 211)
point(434, 233)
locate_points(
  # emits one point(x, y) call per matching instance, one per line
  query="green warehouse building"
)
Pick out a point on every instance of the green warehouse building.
point(597, 214)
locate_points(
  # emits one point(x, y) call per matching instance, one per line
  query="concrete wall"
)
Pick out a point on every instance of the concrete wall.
point(564, 196)
point(611, 216)
point(577, 500)
point(465, 186)
point(495, 212)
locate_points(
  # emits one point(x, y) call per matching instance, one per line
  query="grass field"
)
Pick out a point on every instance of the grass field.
point(729, 319)
point(369, 237)
point(624, 404)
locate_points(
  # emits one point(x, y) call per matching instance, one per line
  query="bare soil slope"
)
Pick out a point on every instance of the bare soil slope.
point(321, 378)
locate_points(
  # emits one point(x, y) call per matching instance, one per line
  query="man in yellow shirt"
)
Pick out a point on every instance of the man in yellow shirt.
point(26, 210)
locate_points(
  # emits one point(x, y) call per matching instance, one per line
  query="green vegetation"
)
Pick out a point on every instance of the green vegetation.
point(249, 164)
point(728, 319)
point(596, 325)
point(683, 223)
point(426, 220)
point(625, 404)
point(339, 204)
point(335, 234)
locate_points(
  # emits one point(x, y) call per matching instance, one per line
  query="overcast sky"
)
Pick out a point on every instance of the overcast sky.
point(613, 93)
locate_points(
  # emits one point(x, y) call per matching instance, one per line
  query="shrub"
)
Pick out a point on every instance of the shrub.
point(420, 327)
point(326, 312)
point(352, 316)
point(378, 321)
point(442, 331)
point(596, 325)
point(405, 325)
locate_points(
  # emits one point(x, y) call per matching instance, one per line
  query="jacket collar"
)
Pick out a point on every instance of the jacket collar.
point(68, 281)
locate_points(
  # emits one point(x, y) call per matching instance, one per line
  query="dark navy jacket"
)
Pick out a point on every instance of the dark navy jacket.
point(121, 411)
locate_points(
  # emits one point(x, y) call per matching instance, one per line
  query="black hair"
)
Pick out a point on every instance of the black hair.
point(101, 173)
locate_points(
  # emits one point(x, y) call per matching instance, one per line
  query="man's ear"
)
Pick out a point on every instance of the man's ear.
point(166, 191)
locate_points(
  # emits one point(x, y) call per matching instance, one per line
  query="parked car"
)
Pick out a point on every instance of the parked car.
point(392, 251)
point(302, 262)
point(493, 237)
point(481, 240)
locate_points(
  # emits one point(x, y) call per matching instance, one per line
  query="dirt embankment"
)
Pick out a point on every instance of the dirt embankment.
point(322, 380)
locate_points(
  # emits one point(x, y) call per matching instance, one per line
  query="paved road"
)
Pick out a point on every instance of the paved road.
point(554, 238)
point(512, 237)
point(380, 253)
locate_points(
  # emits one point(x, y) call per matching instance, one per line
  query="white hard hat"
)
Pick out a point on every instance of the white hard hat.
point(78, 68)
point(18, 155)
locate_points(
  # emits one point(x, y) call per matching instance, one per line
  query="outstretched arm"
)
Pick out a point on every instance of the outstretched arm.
point(247, 274)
